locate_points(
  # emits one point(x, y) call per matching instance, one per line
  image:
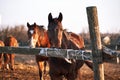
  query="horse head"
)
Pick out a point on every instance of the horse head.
point(55, 30)
point(34, 32)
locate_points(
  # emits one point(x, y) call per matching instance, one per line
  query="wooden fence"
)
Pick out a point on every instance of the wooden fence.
point(97, 49)
point(54, 52)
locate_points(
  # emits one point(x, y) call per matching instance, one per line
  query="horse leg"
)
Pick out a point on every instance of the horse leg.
point(89, 64)
point(79, 65)
point(40, 65)
point(12, 56)
point(55, 77)
point(45, 65)
point(70, 76)
point(79, 76)
point(54, 71)
point(6, 61)
point(1, 60)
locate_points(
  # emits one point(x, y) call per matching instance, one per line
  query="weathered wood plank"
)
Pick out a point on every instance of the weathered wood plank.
point(19, 50)
point(50, 52)
point(111, 52)
point(66, 53)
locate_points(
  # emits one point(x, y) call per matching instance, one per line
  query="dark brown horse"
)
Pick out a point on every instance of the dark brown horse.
point(66, 40)
point(38, 38)
point(9, 58)
point(1, 54)
point(71, 40)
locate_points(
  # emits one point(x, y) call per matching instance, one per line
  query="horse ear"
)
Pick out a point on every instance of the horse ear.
point(60, 17)
point(28, 25)
point(35, 23)
point(50, 17)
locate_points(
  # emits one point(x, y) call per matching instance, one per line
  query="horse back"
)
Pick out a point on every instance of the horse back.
point(72, 41)
point(77, 39)
point(1, 43)
point(11, 41)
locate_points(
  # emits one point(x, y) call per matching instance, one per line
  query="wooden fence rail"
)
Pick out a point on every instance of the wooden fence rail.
point(49, 52)
point(54, 52)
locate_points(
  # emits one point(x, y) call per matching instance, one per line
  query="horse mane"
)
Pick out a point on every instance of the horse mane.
point(41, 29)
point(65, 34)
point(71, 34)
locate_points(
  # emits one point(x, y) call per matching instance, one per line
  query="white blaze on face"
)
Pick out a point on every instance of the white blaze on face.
point(32, 44)
point(31, 31)
point(32, 40)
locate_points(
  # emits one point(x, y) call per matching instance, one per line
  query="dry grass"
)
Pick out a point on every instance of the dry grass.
point(26, 69)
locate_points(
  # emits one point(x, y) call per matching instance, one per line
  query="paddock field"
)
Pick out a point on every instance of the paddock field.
point(26, 69)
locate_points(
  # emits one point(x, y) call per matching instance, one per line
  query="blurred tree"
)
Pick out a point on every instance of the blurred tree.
point(19, 32)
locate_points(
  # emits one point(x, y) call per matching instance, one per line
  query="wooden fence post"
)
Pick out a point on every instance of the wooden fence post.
point(96, 43)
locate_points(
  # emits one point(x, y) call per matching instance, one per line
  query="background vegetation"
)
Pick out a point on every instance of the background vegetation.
point(20, 33)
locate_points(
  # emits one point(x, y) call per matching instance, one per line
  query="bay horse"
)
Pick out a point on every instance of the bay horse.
point(9, 58)
point(66, 40)
point(38, 38)
point(1, 54)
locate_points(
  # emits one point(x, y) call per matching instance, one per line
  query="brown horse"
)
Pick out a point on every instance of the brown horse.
point(66, 40)
point(1, 54)
point(9, 58)
point(71, 40)
point(38, 38)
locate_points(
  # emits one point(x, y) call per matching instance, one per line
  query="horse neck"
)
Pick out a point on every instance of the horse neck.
point(41, 32)
point(43, 40)
point(65, 36)
point(65, 39)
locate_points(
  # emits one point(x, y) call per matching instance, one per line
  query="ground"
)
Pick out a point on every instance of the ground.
point(26, 69)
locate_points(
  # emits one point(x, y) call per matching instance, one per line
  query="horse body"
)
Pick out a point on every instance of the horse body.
point(66, 40)
point(9, 58)
point(38, 38)
point(71, 40)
